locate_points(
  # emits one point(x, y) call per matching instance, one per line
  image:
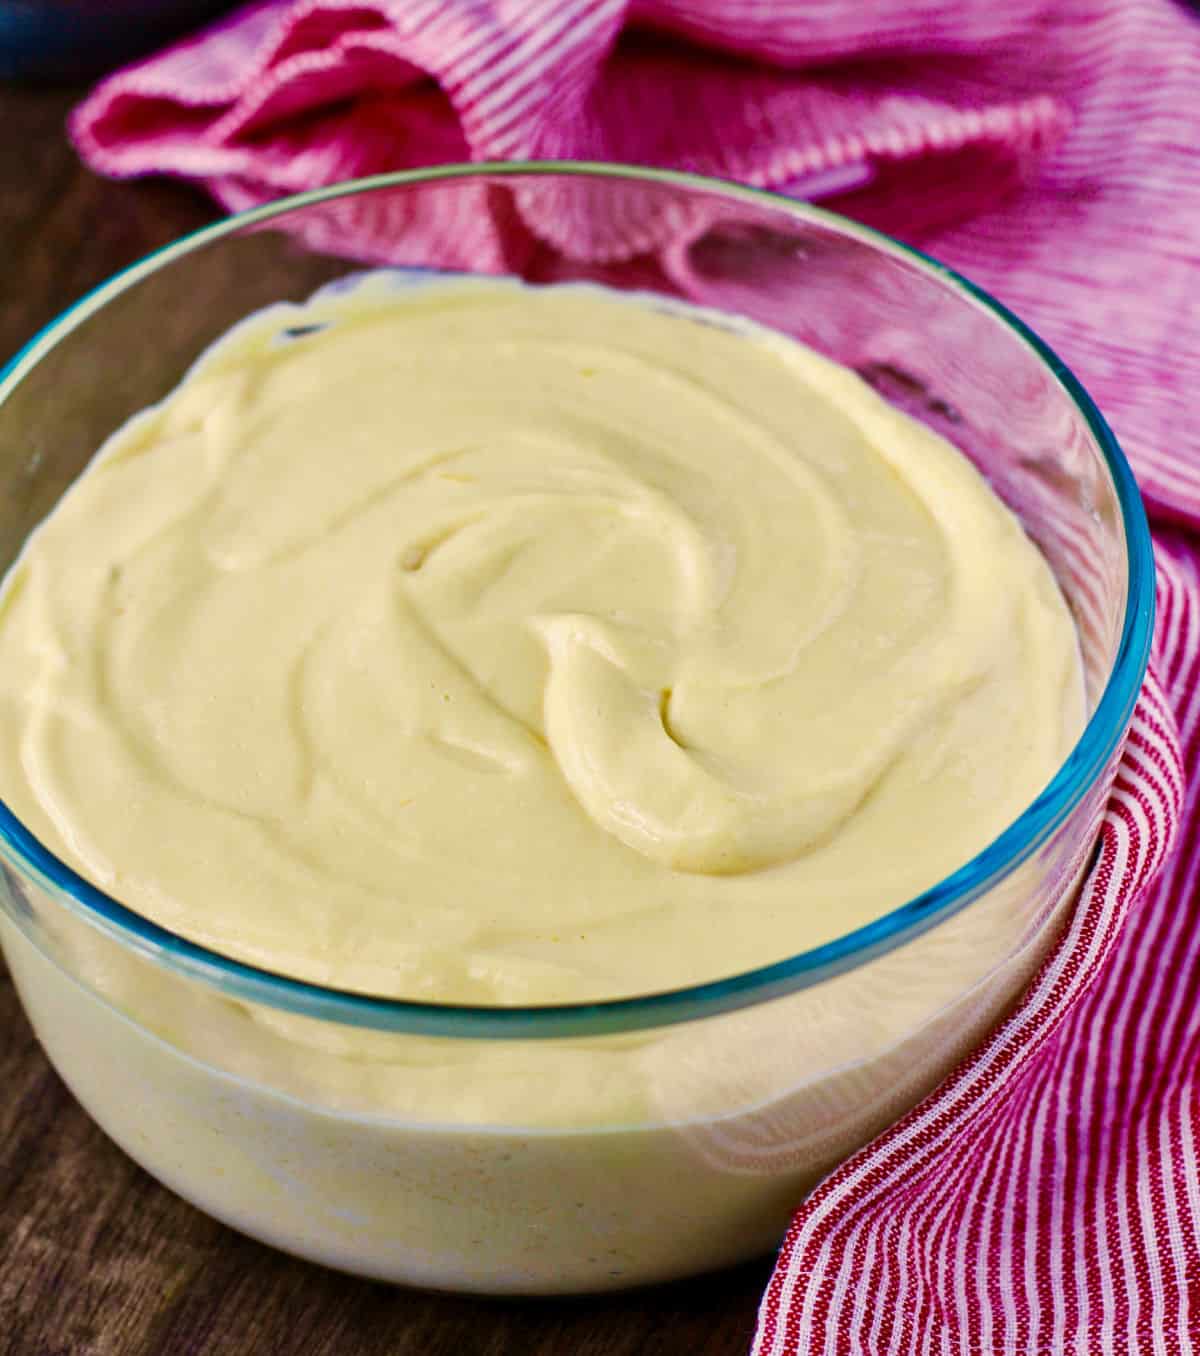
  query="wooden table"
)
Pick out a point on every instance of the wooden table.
point(96, 1259)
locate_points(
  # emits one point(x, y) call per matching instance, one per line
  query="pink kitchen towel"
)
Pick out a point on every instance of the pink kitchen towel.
point(1046, 1199)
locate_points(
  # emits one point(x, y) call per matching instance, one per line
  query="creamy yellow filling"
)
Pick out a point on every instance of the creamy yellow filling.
point(484, 643)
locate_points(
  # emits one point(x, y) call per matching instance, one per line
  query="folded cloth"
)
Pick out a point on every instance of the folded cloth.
point(1046, 1198)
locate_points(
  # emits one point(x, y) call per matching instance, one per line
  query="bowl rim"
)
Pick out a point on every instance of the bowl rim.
point(1097, 744)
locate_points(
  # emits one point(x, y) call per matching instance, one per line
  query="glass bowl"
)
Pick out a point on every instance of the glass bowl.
point(591, 1146)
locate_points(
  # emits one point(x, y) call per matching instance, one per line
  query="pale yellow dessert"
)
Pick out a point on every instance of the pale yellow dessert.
point(477, 643)
point(504, 645)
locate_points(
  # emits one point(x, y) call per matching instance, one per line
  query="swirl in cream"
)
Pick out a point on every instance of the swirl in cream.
point(487, 643)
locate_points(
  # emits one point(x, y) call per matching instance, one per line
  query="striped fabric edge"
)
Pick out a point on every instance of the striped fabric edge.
point(842, 1222)
point(494, 74)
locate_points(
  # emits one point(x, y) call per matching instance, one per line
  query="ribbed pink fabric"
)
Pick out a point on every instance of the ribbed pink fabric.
point(1046, 1199)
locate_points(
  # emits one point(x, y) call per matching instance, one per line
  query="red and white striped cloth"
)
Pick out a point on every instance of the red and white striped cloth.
point(1046, 1199)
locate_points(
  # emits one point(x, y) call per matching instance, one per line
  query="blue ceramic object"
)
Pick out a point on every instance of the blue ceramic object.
point(66, 39)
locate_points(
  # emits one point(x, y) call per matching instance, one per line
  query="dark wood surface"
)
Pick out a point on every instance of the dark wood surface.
point(96, 1259)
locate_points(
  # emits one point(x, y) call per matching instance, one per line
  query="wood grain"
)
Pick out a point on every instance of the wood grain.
point(96, 1259)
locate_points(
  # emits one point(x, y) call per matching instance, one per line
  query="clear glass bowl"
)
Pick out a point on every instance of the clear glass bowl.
point(592, 1146)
